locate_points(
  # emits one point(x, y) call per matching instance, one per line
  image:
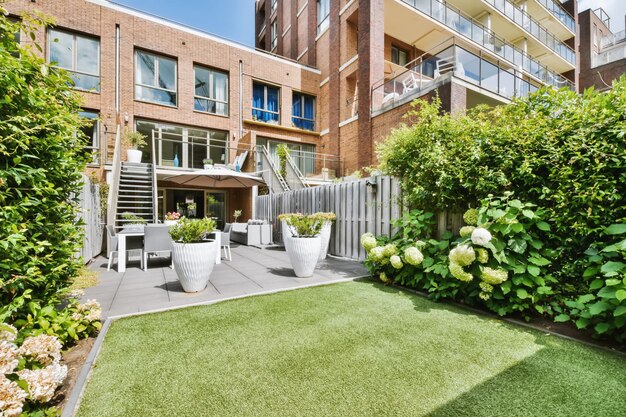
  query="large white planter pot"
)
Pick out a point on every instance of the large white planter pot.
point(133, 155)
point(303, 253)
point(170, 222)
point(286, 234)
point(194, 263)
point(325, 239)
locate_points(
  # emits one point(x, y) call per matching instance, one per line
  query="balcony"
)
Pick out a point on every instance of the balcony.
point(612, 40)
point(610, 55)
point(532, 26)
point(429, 71)
point(474, 31)
point(556, 10)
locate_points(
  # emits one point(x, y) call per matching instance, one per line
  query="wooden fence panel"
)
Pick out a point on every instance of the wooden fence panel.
point(93, 221)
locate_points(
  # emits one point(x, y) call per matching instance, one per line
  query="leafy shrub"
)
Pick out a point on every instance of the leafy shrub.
point(604, 306)
point(133, 139)
point(42, 157)
point(191, 230)
point(132, 218)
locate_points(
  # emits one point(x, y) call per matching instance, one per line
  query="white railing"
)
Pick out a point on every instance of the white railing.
point(613, 39)
point(115, 185)
point(608, 56)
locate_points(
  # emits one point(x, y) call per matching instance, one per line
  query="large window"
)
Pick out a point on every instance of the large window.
point(155, 78)
point(323, 12)
point(274, 35)
point(399, 56)
point(274, 5)
point(303, 111)
point(303, 155)
point(265, 103)
point(92, 133)
point(211, 91)
point(77, 54)
point(183, 147)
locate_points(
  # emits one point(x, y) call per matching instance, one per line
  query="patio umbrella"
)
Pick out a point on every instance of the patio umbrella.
point(212, 178)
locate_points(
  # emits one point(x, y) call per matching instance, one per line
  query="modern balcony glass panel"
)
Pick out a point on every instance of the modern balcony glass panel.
point(557, 11)
point(475, 31)
point(525, 21)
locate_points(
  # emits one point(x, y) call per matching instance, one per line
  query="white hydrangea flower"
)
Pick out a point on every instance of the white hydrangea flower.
point(493, 276)
point(368, 242)
point(485, 287)
point(482, 255)
point(44, 349)
point(484, 295)
point(376, 254)
point(462, 255)
point(481, 236)
point(7, 332)
point(12, 397)
point(383, 278)
point(457, 272)
point(42, 383)
point(396, 262)
point(390, 249)
point(466, 231)
point(9, 357)
point(413, 256)
point(420, 244)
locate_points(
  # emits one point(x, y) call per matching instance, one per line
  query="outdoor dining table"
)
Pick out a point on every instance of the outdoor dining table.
point(124, 233)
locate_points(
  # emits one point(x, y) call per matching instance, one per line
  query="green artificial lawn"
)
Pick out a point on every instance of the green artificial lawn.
point(351, 349)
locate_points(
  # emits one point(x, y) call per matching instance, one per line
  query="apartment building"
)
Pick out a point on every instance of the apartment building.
point(602, 52)
point(195, 96)
point(376, 56)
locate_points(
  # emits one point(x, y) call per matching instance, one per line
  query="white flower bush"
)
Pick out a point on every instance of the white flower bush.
point(413, 256)
point(376, 254)
point(368, 242)
point(89, 311)
point(481, 236)
point(42, 353)
point(482, 255)
point(493, 276)
point(462, 255)
point(466, 231)
point(459, 273)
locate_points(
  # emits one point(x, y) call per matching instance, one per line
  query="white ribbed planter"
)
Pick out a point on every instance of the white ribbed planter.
point(133, 155)
point(286, 234)
point(325, 239)
point(194, 263)
point(170, 222)
point(303, 254)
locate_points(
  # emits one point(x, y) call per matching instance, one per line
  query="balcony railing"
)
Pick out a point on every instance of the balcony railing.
point(613, 39)
point(424, 73)
point(187, 152)
point(312, 165)
point(555, 8)
point(471, 29)
point(530, 25)
point(608, 56)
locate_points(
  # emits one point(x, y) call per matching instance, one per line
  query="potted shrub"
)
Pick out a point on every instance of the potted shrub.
point(327, 220)
point(304, 245)
point(193, 255)
point(171, 217)
point(208, 163)
point(134, 140)
point(286, 233)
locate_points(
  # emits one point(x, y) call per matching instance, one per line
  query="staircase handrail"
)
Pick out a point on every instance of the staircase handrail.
point(297, 171)
point(115, 184)
point(267, 156)
point(155, 196)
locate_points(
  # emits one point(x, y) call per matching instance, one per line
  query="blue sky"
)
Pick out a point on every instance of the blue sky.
point(231, 19)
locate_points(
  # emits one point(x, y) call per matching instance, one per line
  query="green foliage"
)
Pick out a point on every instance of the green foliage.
point(282, 151)
point(132, 218)
point(303, 226)
point(192, 230)
point(604, 306)
point(134, 139)
point(67, 324)
point(41, 160)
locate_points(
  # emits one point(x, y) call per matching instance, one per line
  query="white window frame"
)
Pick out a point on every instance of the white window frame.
point(156, 78)
point(265, 86)
point(303, 95)
point(323, 21)
point(274, 35)
point(75, 37)
point(211, 81)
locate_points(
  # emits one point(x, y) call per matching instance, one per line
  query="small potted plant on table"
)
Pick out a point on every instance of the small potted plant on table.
point(304, 244)
point(134, 140)
point(208, 163)
point(193, 255)
point(133, 221)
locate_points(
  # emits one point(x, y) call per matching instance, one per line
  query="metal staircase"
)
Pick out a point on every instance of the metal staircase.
point(272, 176)
point(135, 193)
point(301, 181)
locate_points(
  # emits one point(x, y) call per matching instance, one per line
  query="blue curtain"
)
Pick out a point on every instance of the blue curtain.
point(297, 105)
point(272, 103)
point(309, 108)
point(257, 96)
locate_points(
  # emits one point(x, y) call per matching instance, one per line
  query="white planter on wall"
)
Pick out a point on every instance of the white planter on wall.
point(133, 155)
point(170, 222)
point(194, 263)
point(325, 239)
point(303, 254)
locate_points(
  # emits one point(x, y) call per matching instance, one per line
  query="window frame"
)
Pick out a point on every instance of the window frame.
point(265, 87)
point(273, 35)
point(211, 83)
point(323, 22)
point(156, 78)
point(302, 118)
point(274, 6)
point(94, 148)
point(75, 36)
point(399, 51)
